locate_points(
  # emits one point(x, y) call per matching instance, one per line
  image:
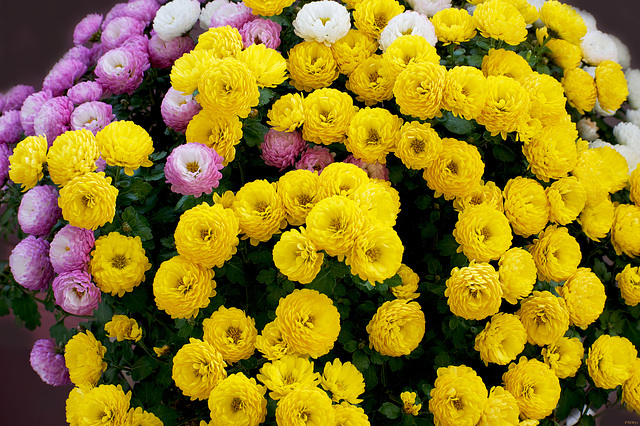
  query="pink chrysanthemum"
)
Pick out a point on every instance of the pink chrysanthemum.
point(142, 10)
point(233, 14)
point(93, 116)
point(5, 153)
point(39, 210)
point(30, 265)
point(86, 91)
point(48, 361)
point(30, 109)
point(375, 170)
point(53, 118)
point(119, 30)
point(82, 54)
point(16, 96)
point(280, 149)
point(261, 31)
point(10, 127)
point(76, 293)
point(163, 54)
point(87, 28)
point(63, 75)
point(315, 159)
point(178, 109)
point(120, 70)
point(193, 169)
point(71, 249)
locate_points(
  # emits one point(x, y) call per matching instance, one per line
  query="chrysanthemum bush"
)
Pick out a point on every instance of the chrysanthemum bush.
point(325, 213)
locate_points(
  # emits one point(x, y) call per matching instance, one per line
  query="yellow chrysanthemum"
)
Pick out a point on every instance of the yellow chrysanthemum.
point(408, 50)
point(238, 400)
point(219, 133)
point(419, 89)
point(270, 342)
point(299, 192)
point(501, 62)
point(376, 254)
point(453, 26)
point(529, 11)
point(27, 161)
point(500, 20)
point(458, 397)
point(552, 152)
point(123, 328)
point(181, 287)
point(483, 233)
point(379, 201)
point(369, 81)
point(139, 417)
point(580, 89)
point(465, 92)
point(371, 17)
point(631, 388)
point(334, 223)
point(547, 97)
point(231, 332)
point(341, 179)
point(286, 374)
point(225, 200)
point(518, 274)
point(409, 405)
point(397, 327)
point(584, 296)
point(88, 201)
point(567, 198)
point(350, 415)
point(487, 194)
point(596, 221)
point(625, 231)
point(259, 210)
point(502, 339)
point(344, 381)
point(610, 361)
point(564, 54)
point(287, 113)
point(612, 85)
point(309, 322)
point(352, 49)
point(118, 263)
point(221, 41)
point(595, 174)
point(72, 154)
point(410, 281)
point(418, 145)
point(458, 170)
point(297, 257)
point(125, 144)
point(207, 235)
point(474, 291)
point(267, 65)
point(545, 317)
point(268, 7)
point(74, 403)
point(197, 369)
point(187, 69)
point(634, 186)
point(105, 405)
point(501, 409)
point(307, 404)
point(229, 88)
point(507, 104)
point(556, 253)
point(563, 20)
point(327, 114)
point(312, 66)
point(372, 134)
point(525, 205)
point(534, 386)
point(83, 356)
point(629, 284)
point(564, 356)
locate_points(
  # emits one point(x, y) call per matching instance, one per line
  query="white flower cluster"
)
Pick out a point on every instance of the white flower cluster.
point(176, 18)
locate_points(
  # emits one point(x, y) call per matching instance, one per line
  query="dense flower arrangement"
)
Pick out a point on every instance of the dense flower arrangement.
point(322, 213)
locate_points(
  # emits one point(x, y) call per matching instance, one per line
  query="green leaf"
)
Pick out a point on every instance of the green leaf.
point(350, 346)
point(104, 312)
point(390, 410)
point(143, 367)
point(483, 45)
point(324, 282)
point(408, 420)
point(266, 95)
point(588, 420)
point(136, 191)
point(504, 154)
point(148, 393)
point(395, 363)
point(360, 360)
point(394, 281)
point(442, 360)
point(458, 125)
point(60, 333)
point(235, 270)
point(267, 276)
point(447, 245)
point(26, 309)
point(168, 415)
point(597, 397)
point(254, 132)
point(4, 307)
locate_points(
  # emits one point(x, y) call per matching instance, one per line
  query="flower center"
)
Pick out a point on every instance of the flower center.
point(234, 334)
point(88, 200)
point(119, 261)
point(373, 254)
point(206, 234)
point(304, 199)
point(237, 405)
point(417, 145)
point(374, 137)
point(456, 402)
point(193, 167)
point(452, 168)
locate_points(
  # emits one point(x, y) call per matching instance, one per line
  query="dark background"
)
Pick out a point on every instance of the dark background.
point(33, 36)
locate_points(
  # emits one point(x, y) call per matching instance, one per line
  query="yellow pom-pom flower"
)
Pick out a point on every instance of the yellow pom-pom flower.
point(518, 274)
point(219, 133)
point(187, 69)
point(312, 66)
point(221, 41)
point(596, 221)
point(125, 144)
point(181, 287)
point(502, 408)
point(88, 201)
point(409, 286)
point(267, 65)
point(286, 374)
point(268, 7)
point(465, 92)
point(556, 253)
point(563, 20)
point(501, 62)
point(118, 263)
point(27, 161)
point(74, 403)
point(347, 414)
point(418, 145)
point(474, 291)
point(259, 210)
point(545, 317)
point(287, 113)
point(105, 404)
point(371, 17)
point(409, 405)
point(237, 400)
point(567, 197)
point(376, 254)
point(83, 356)
point(487, 194)
point(270, 342)
point(525, 205)
point(372, 134)
point(502, 339)
point(612, 85)
point(352, 49)
point(629, 284)
point(500, 20)
point(483, 233)
point(419, 89)
point(207, 235)
point(231, 332)
point(453, 26)
point(77, 148)
point(369, 81)
point(552, 152)
point(507, 104)
point(309, 322)
point(458, 397)
point(580, 89)
point(296, 256)
point(534, 386)
point(634, 186)
point(327, 116)
point(343, 380)
point(564, 356)
point(341, 179)
point(564, 54)
point(584, 296)
point(625, 231)
point(631, 388)
point(197, 369)
point(547, 97)
point(379, 201)
point(334, 223)
point(594, 174)
point(610, 361)
point(397, 327)
point(303, 404)
point(407, 50)
point(123, 328)
point(299, 192)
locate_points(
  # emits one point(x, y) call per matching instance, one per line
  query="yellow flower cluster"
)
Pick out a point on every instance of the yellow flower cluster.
point(83, 356)
point(123, 328)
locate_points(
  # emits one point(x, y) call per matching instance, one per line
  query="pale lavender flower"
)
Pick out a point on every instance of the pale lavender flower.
point(85, 91)
point(163, 54)
point(280, 149)
point(142, 10)
point(261, 31)
point(315, 159)
point(117, 31)
point(30, 109)
point(10, 127)
point(75, 293)
point(93, 116)
point(63, 76)
point(53, 118)
point(101, 165)
point(82, 54)
point(119, 70)
point(5, 153)
point(2, 101)
point(39, 210)
point(48, 361)
point(88, 29)
point(376, 170)
point(178, 109)
point(16, 96)
point(71, 249)
point(233, 14)
point(193, 169)
point(210, 9)
point(30, 265)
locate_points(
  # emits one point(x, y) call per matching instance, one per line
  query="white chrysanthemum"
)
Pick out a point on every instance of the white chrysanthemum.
point(624, 55)
point(599, 143)
point(587, 129)
point(633, 116)
point(324, 21)
point(589, 19)
point(598, 47)
point(631, 155)
point(176, 18)
point(208, 11)
point(633, 83)
point(429, 7)
point(409, 22)
point(536, 3)
point(628, 134)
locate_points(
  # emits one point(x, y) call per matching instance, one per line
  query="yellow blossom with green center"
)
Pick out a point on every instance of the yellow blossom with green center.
point(299, 192)
point(327, 115)
point(518, 274)
point(369, 81)
point(376, 254)
point(453, 26)
point(409, 405)
point(563, 21)
point(88, 201)
point(584, 295)
point(500, 20)
point(222, 42)
point(267, 65)
point(125, 144)
point(474, 292)
point(407, 50)
point(105, 405)
point(610, 360)
point(502, 339)
point(567, 197)
point(287, 113)
point(501, 62)
point(419, 90)
point(334, 224)
point(187, 69)
point(502, 408)
point(526, 206)
point(556, 253)
point(305, 405)
point(352, 49)
point(221, 134)
point(343, 380)
point(629, 284)
point(465, 92)
point(418, 145)
point(483, 233)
